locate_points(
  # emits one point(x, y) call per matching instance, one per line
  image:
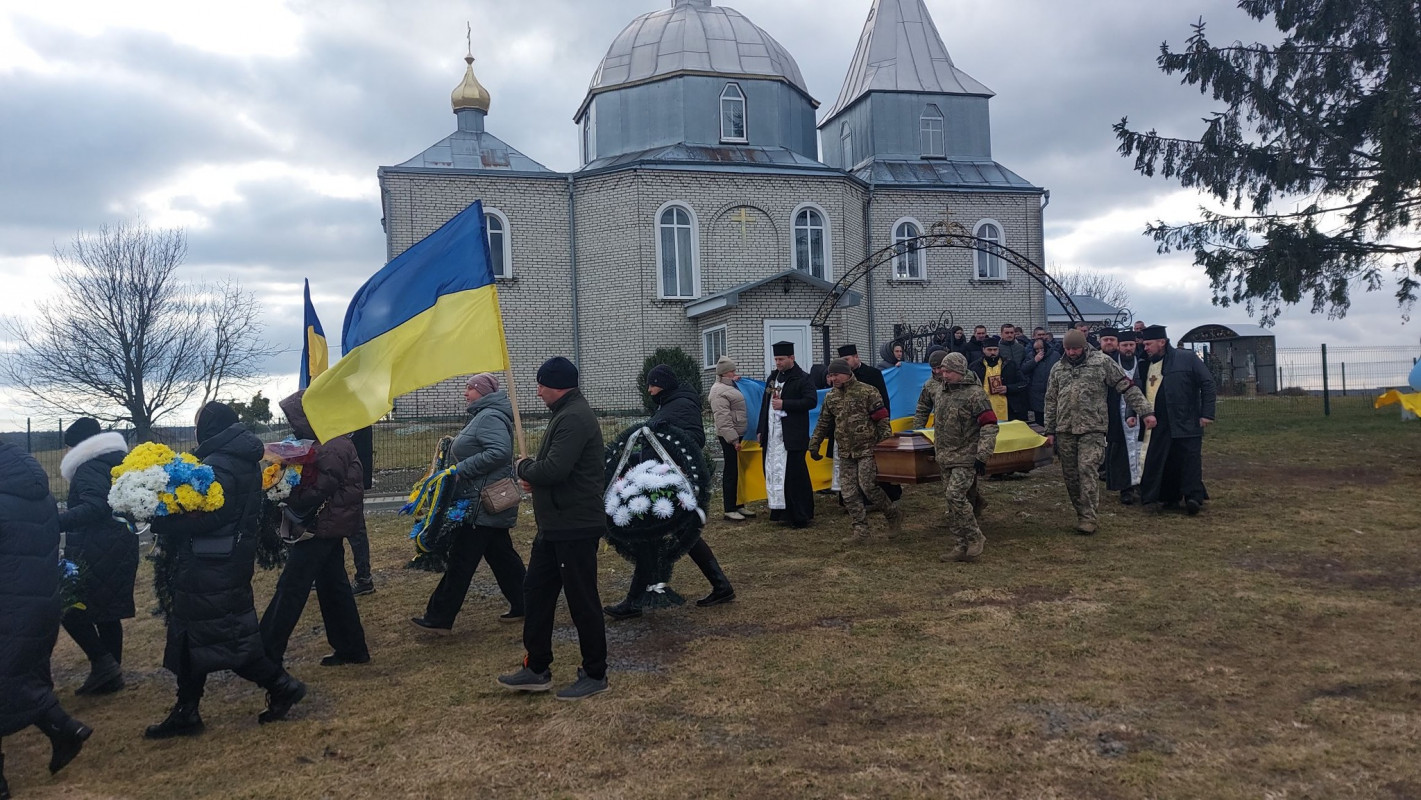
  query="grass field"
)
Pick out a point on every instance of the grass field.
point(1267, 648)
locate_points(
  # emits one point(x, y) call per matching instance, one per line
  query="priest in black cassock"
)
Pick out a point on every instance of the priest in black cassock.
point(1122, 440)
point(1183, 394)
point(784, 435)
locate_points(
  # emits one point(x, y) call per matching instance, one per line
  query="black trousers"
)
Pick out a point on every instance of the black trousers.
point(96, 639)
point(730, 478)
point(360, 554)
point(264, 672)
point(472, 543)
point(318, 562)
point(1174, 470)
point(569, 568)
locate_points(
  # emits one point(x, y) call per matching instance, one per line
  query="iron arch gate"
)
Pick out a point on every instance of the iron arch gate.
point(940, 236)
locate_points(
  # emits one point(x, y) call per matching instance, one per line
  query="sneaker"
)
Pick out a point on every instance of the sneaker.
point(745, 512)
point(359, 588)
point(1191, 507)
point(583, 687)
point(338, 660)
point(425, 625)
point(526, 680)
point(511, 616)
point(735, 516)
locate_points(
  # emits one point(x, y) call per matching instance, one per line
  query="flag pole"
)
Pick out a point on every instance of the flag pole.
point(517, 416)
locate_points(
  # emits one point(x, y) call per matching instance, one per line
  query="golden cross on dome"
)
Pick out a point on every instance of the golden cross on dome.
point(744, 219)
point(469, 37)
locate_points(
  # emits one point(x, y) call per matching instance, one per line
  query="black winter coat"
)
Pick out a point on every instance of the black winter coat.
point(874, 377)
point(29, 590)
point(1037, 374)
point(568, 476)
point(337, 494)
point(799, 399)
point(213, 625)
point(1186, 393)
point(103, 547)
point(681, 408)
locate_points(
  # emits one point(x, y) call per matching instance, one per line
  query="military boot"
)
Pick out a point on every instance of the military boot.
point(183, 720)
point(895, 518)
point(1085, 527)
point(859, 536)
point(975, 547)
point(284, 693)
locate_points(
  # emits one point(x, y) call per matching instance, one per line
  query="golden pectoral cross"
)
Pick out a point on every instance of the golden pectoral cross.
point(744, 219)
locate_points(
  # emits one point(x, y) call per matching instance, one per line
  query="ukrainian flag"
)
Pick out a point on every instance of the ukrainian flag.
point(429, 315)
point(315, 354)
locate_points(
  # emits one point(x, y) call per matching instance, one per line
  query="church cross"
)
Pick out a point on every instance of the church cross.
point(744, 218)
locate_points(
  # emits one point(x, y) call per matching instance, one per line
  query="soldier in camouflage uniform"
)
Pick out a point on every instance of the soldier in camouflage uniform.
point(1077, 418)
point(964, 437)
point(855, 414)
point(927, 398)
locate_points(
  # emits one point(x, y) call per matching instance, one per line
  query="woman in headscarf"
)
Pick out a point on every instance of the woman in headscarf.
point(483, 452)
point(213, 623)
point(104, 548)
point(29, 596)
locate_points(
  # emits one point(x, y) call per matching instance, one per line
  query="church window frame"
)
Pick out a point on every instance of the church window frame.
point(715, 342)
point(846, 146)
point(731, 97)
point(500, 243)
point(932, 132)
point(685, 241)
point(909, 262)
point(802, 258)
point(990, 266)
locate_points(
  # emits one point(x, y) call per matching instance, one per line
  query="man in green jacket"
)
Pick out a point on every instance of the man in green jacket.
point(566, 481)
point(855, 416)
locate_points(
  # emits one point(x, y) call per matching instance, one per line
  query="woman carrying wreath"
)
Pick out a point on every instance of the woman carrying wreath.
point(680, 408)
point(483, 455)
point(213, 623)
point(105, 548)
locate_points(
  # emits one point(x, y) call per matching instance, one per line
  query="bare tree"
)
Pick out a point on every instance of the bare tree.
point(126, 341)
point(1093, 284)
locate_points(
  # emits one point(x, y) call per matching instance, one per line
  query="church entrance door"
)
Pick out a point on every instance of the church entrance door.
point(788, 330)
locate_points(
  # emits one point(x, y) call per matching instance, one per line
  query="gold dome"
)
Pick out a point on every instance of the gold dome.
point(470, 93)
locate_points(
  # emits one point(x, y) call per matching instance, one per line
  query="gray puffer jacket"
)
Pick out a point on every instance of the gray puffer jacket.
point(483, 451)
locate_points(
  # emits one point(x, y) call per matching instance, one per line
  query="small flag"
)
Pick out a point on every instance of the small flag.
point(315, 354)
point(429, 315)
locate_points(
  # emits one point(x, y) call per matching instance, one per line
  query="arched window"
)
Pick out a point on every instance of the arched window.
point(908, 262)
point(732, 114)
point(989, 264)
point(934, 142)
point(676, 252)
point(846, 146)
point(811, 242)
point(500, 250)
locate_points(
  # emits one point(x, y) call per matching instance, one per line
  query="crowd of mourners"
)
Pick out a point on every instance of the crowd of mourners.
point(1123, 407)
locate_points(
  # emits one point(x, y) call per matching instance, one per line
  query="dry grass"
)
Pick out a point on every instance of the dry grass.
point(1264, 649)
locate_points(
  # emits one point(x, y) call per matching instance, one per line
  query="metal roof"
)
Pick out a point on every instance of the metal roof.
point(730, 298)
point(937, 173)
point(1216, 333)
point(480, 151)
point(693, 37)
point(1090, 307)
point(900, 51)
point(706, 155)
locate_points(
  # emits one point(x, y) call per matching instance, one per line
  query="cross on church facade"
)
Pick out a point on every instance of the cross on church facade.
point(743, 217)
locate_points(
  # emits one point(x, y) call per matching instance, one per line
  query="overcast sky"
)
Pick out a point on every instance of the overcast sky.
point(258, 127)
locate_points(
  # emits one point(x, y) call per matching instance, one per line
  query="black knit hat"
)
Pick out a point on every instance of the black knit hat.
point(83, 428)
point(783, 348)
point(558, 373)
point(848, 350)
point(662, 376)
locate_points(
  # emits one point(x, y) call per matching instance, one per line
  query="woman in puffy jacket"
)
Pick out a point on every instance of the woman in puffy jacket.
point(484, 452)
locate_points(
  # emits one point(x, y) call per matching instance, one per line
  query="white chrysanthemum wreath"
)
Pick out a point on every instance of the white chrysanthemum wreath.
point(650, 487)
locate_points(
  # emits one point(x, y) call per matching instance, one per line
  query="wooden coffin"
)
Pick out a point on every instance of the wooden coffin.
point(908, 458)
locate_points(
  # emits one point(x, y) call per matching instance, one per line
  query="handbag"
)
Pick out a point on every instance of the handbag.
point(500, 496)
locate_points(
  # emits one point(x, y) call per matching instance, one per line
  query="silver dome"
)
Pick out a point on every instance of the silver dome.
point(694, 37)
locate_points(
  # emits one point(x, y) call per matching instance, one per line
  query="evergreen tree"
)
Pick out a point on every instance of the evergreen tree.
point(1317, 155)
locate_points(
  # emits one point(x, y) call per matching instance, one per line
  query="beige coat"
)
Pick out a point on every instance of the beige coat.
point(728, 407)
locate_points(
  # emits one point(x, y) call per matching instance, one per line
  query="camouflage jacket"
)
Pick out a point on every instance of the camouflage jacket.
point(927, 398)
point(857, 418)
point(964, 426)
point(1076, 394)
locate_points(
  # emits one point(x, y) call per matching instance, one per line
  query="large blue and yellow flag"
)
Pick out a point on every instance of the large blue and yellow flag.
point(429, 315)
point(315, 354)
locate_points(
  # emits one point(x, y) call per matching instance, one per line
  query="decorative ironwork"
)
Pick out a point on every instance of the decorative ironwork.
point(908, 335)
point(943, 234)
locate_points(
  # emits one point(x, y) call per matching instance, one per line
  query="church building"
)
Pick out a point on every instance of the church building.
point(717, 203)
